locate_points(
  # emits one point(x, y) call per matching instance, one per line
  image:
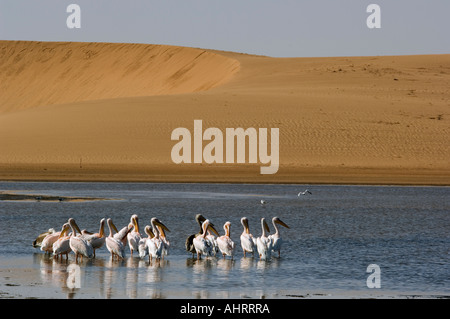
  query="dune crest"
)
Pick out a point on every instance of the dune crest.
point(47, 73)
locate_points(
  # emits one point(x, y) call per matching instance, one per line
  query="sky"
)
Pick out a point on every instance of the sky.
point(278, 28)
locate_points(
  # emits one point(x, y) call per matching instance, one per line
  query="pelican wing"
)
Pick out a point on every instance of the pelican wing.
point(81, 246)
point(248, 242)
point(226, 245)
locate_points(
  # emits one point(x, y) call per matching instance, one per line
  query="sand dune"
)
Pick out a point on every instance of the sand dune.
point(43, 73)
point(382, 120)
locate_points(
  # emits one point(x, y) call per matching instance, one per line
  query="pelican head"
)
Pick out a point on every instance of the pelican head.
point(265, 225)
point(155, 221)
point(149, 232)
point(74, 226)
point(278, 221)
point(207, 225)
point(244, 222)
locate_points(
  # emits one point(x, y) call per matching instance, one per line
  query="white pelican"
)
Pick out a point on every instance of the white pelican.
point(122, 234)
point(114, 245)
point(189, 241)
point(62, 244)
point(156, 245)
point(166, 243)
point(212, 239)
point(143, 243)
point(264, 243)
point(201, 244)
point(226, 245)
point(134, 236)
point(305, 192)
point(97, 240)
point(248, 242)
point(38, 241)
point(79, 245)
point(276, 238)
point(47, 242)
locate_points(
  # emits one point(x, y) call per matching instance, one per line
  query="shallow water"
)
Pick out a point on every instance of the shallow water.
point(334, 235)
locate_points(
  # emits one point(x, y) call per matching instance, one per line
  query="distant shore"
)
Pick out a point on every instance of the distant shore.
point(217, 174)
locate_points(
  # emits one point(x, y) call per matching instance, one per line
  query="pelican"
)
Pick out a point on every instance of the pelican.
point(143, 243)
point(38, 241)
point(115, 244)
point(49, 239)
point(201, 244)
point(276, 238)
point(122, 234)
point(166, 243)
point(62, 244)
point(248, 242)
point(226, 245)
point(212, 239)
point(134, 236)
point(189, 241)
point(305, 192)
point(79, 245)
point(264, 243)
point(156, 245)
point(97, 240)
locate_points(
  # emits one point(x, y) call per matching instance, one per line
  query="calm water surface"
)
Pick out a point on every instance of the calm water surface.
point(334, 235)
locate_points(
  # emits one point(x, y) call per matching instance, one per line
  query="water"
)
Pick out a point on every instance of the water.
point(334, 235)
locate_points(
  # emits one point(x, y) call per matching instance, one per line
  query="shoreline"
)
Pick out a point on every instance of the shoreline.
point(244, 174)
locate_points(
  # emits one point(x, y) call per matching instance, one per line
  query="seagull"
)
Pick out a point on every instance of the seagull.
point(306, 192)
point(263, 202)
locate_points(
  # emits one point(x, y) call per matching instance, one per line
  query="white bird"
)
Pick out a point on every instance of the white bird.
point(79, 245)
point(97, 240)
point(62, 244)
point(38, 241)
point(189, 241)
point(115, 244)
point(248, 242)
point(201, 244)
point(305, 192)
point(165, 240)
point(212, 239)
point(122, 234)
point(263, 202)
point(143, 246)
point(226, 245)
point(156, 245)
point(264, 243)
point(134, 236)
point(47, 243)
point(276, 237)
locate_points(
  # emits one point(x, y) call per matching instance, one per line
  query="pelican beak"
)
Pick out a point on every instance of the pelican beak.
point(64, 230)
point(280, 222)
point(114, 227)
point(136, 225)
point(161, 225)
point(211, 228)
point(266, 226)
point(247, 229)
point(76, 227)
point(148, 231)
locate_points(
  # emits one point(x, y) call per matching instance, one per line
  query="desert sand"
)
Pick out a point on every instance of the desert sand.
point(105, 112)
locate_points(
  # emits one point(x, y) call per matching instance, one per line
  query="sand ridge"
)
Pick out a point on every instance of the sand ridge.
point(381, 120)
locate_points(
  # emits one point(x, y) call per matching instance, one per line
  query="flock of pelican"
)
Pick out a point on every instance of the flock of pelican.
point(84, 244)
point(207, 242)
